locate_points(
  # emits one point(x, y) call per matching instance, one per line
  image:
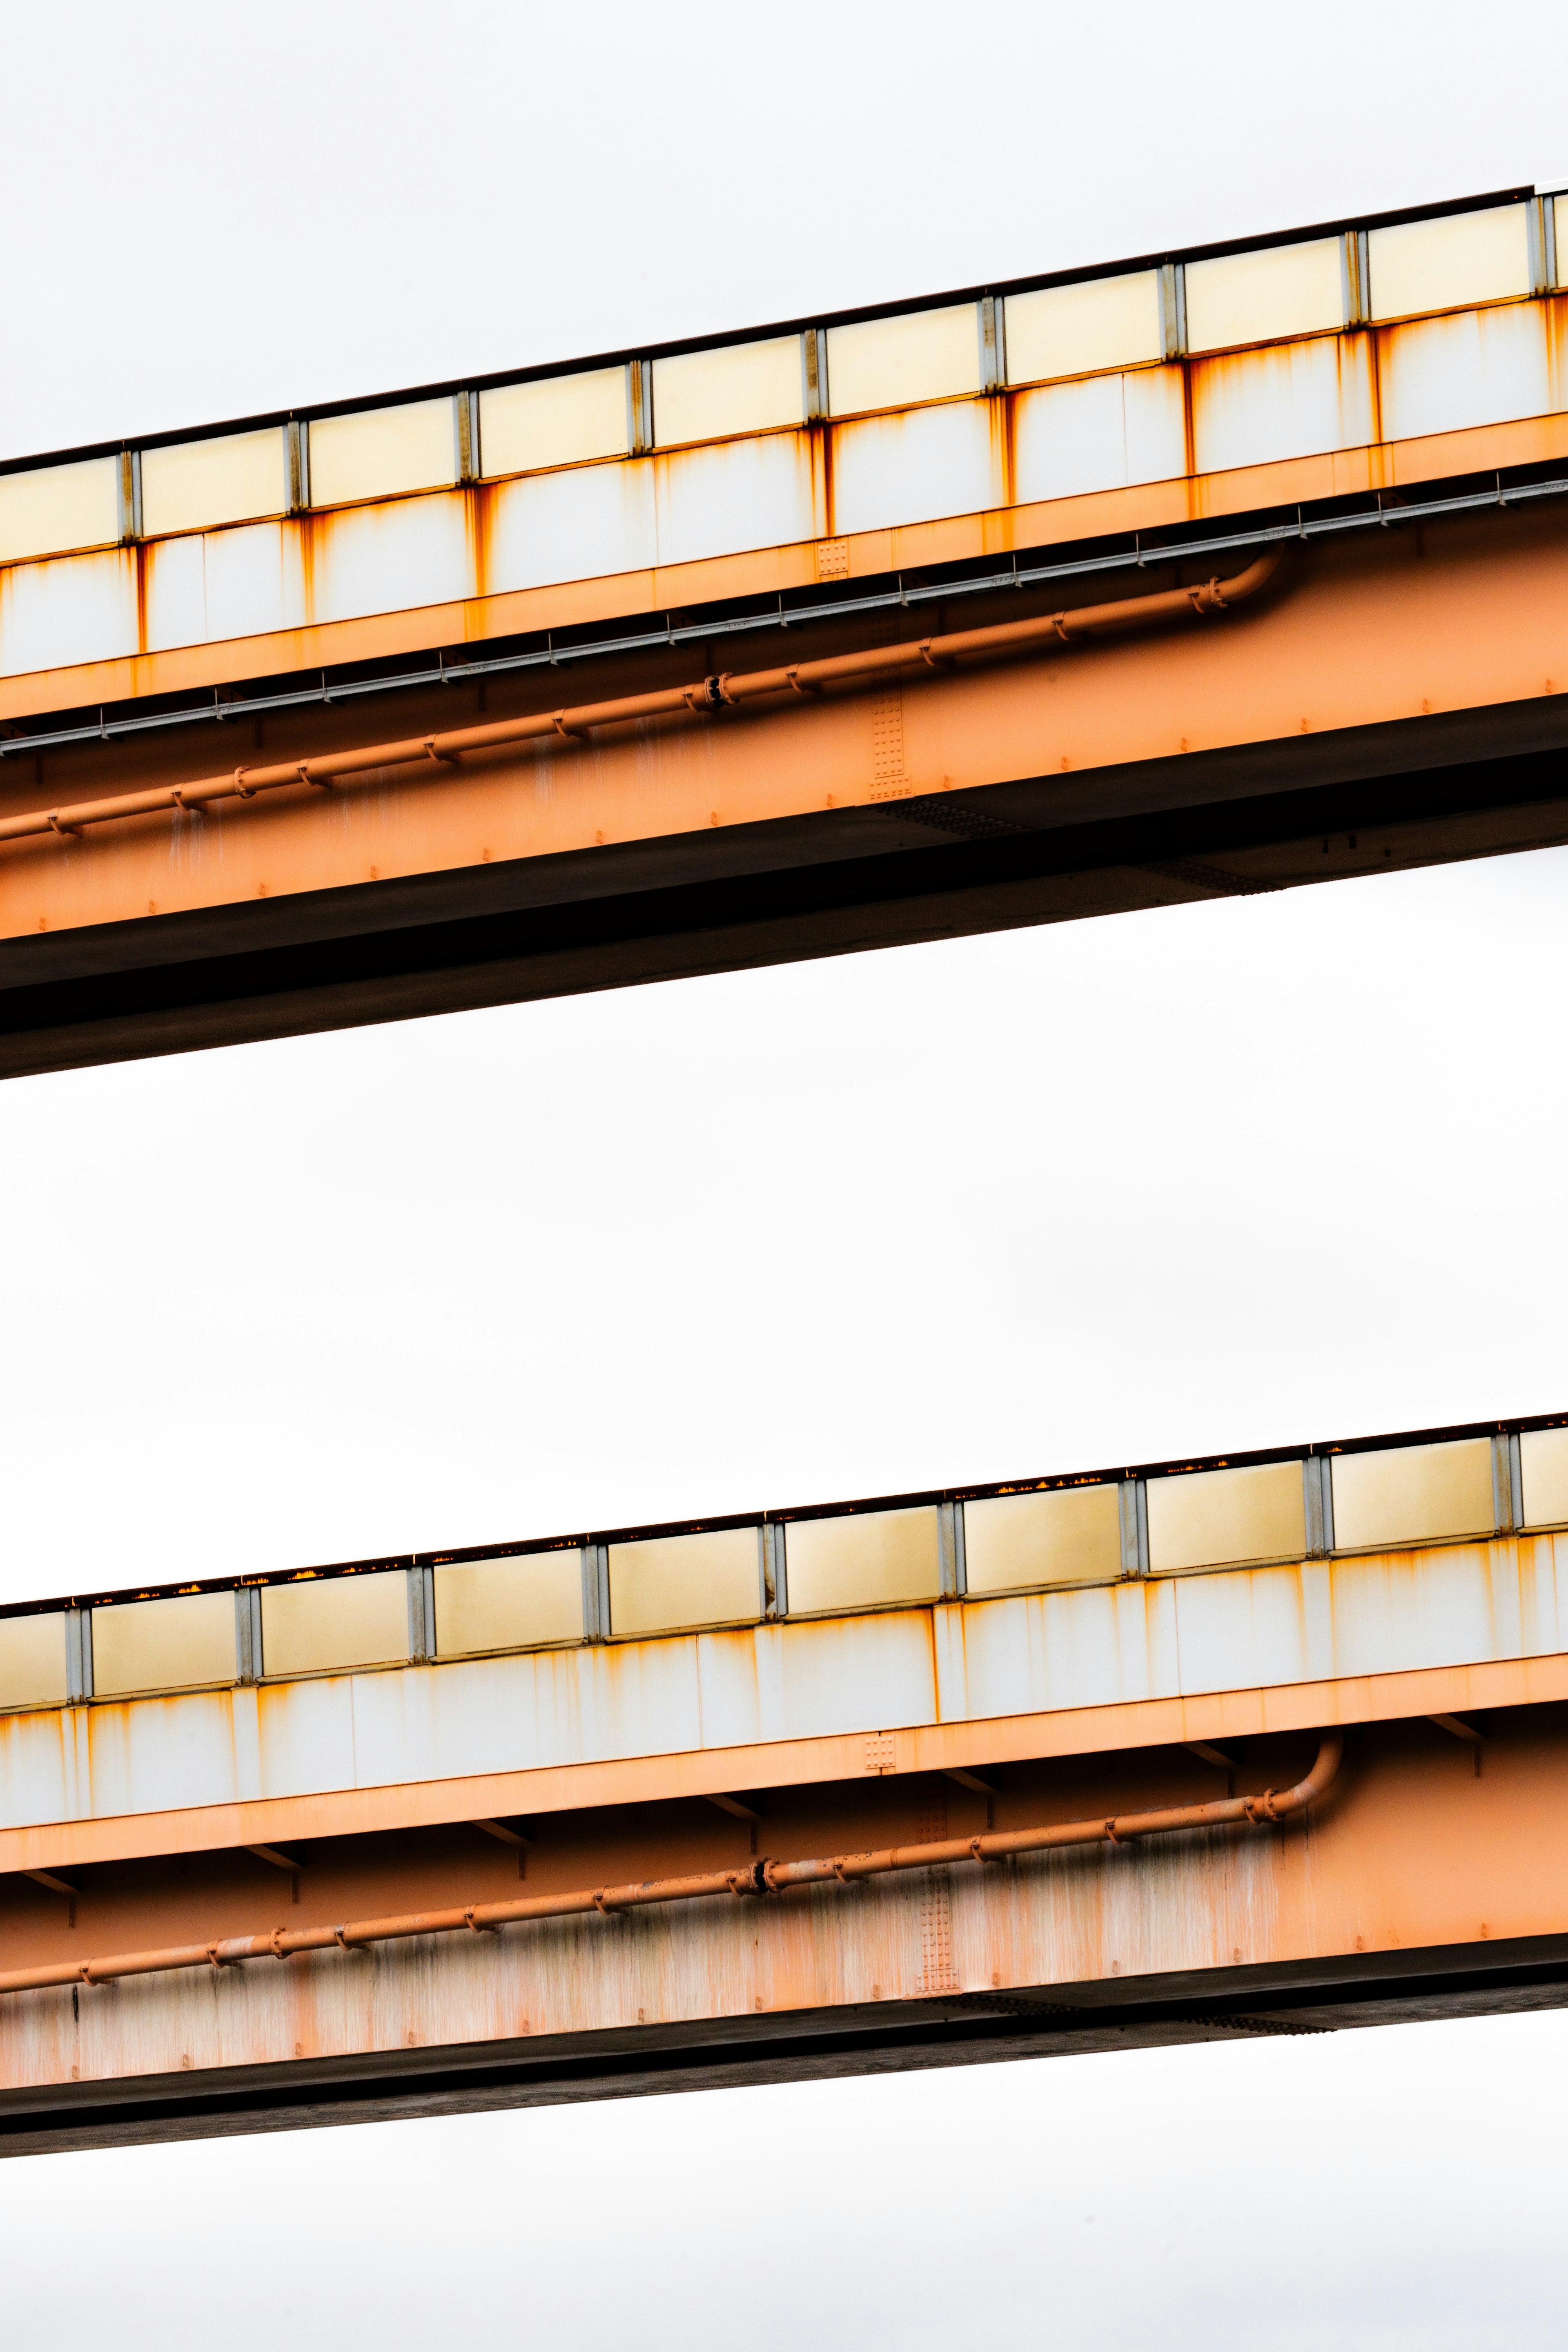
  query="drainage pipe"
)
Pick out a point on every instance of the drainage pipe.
point(760, 1877)
point(709, 695)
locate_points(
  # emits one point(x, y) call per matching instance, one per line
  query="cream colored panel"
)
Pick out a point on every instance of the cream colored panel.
point(907, 468)
point(1205, 1517)
point(1259, 298)
point(1442, 265)
point(379, 452)
point(77, 608)
point(33, 1660)
point(563, 420)
point(201, 484)
point(1106, 322)
point(59, 507)
point(151, 1645)
point(674, 1581)
point(1473, 367)
point(736, 495)
point(1413, 1494)
point(517, 1603)
point(1543, 1461)
point(1102, 433)
point(578, 524)
point(1291, 400)
point(334, 1621)
point(870, 1559)
point(888, 362)
point(1067, 1535)
point(748, 388)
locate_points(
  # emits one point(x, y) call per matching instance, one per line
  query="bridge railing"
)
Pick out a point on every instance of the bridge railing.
point(1099, 1528)
point(1391, 331)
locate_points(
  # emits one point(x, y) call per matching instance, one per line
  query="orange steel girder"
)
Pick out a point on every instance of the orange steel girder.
point(1427, 1879)
point(1392, 699)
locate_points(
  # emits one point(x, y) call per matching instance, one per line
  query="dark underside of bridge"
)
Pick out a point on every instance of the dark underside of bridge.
point(964, 2029)
point(1237, 822)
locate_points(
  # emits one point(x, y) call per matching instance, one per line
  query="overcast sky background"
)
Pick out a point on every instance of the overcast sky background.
point(1225, 1176)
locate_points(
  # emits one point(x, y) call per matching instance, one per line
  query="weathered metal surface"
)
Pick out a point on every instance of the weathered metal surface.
point(755, 1691)
point(563, 503)
point(1363, 636)
point(1414, 1877)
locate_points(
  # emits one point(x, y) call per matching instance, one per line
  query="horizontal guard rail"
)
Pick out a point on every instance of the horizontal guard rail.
point(759, 1878)
point(706, 696)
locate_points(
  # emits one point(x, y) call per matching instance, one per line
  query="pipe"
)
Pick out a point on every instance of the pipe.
point(709, 695)
point(760, 1877)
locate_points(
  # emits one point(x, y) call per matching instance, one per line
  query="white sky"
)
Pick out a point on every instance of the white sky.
point(1228, 1175)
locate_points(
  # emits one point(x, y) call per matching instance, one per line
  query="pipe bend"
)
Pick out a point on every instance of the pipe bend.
point(1282, 1803)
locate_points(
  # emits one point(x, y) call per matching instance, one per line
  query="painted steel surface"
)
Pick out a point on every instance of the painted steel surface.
point(753, 1692)
point(1412, 1871)
point(1213, 382)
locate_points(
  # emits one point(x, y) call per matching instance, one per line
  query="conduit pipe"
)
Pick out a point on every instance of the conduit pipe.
point(707, 696)
point(762, 1877)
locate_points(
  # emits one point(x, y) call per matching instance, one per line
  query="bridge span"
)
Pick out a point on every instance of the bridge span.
point(792, 642)
point(1268, 1743)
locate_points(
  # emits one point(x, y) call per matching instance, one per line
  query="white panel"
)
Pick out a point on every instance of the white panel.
point(379, 452)
point(888, 470)
point(1476, 367)
point(888, 362)
point(226, 584)
point(42, 512)
point(1433, 1610)
point(1441, 265)
point(746, 388)
point(388, 559)
point(176, 594)
point(1292, 400)
point(1264, 1625)
point(742, 494)
point(1095, 1646)
point(234, 478)
point(575, 525)
point(1101, 433)
point(1106, 322)
point(255, 579)
point(306, 1735)
point(1156, 408)
point(150, 1757)
point(1257, 298)
point(79, 608)
point(843, 1674)
point(562, 420)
